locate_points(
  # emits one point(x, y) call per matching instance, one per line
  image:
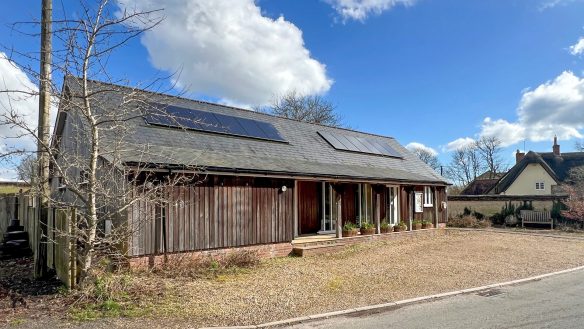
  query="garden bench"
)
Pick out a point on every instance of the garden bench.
point(536, 217)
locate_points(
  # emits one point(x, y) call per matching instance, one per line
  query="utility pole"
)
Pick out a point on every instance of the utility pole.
point(43, 138)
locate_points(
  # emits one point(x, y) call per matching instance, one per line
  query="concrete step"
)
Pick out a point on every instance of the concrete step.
point(312, 250)
point(15, 228)
point(15, 244)
point(15, 235)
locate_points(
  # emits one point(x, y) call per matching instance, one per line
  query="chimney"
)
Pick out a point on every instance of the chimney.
point(519, 156)
point(556, 147)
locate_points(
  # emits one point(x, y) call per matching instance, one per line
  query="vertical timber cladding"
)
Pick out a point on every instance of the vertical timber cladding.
point(220, 212)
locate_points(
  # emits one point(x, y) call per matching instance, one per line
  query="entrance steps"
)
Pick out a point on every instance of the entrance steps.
point(313, 248)
point(15, 242)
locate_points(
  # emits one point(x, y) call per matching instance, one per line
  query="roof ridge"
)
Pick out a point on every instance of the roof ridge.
point(234, 108)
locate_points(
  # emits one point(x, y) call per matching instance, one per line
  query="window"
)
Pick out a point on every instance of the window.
point(364, 204)
point(428, 196)
point(392, 205)
point(539, 186)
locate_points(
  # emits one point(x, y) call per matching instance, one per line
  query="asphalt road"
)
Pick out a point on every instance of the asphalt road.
point(554, 302)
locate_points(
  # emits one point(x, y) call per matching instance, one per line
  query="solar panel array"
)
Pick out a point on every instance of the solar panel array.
point(179, 117)
point(359, 144)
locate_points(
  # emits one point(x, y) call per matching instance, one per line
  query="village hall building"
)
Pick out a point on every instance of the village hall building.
point(265, 180)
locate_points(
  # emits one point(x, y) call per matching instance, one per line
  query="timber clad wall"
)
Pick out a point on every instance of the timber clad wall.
point(218, 213)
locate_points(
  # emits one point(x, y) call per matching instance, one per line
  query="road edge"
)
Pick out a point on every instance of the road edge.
point(393, 305)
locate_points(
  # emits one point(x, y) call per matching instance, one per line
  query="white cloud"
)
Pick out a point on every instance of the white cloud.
point(555, 107)
point(8, 174)
point(459, 143)
point(15, 90)
point(361, 9)
point(549, 4)
point(419, 146)
point(228, 50)
point(578, 48)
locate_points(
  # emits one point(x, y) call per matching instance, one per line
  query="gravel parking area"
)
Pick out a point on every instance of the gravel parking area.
point(361, 275)
point(371, 274)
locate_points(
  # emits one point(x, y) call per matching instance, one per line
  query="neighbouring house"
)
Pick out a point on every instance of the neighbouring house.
point(262, 179)
point(538, 173)
point(482, 184)
point(536, 178)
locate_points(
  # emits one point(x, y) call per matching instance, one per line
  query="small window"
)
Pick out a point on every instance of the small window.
point(428, 197)
point(539, 186)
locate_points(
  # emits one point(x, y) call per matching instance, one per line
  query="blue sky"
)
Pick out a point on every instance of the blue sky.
point(435, 72)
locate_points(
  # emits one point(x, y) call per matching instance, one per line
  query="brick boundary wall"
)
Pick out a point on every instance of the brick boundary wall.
point(264, 251)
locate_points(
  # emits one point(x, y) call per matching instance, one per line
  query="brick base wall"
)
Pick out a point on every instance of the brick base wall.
point(263, 251)
point(391, 236)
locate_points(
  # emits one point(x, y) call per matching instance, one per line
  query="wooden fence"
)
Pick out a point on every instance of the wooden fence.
point(21, 207)
point(61, 254)
point(62, 251)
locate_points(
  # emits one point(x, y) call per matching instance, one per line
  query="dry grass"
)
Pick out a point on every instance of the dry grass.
point(468, 221)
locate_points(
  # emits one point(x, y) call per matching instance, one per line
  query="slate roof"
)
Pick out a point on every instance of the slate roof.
point(305, 153)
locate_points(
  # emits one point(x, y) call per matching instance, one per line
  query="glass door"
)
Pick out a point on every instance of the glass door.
point(329, 208)
point(392, 205)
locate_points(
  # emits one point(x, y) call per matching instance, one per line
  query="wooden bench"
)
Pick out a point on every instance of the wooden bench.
point(536, 217)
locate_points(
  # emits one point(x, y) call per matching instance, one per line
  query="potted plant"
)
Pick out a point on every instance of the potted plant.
point(401, 226)
point(367, 228)
point(427, 224)
point(385, 227)
point(349, 229)
point(417, 225)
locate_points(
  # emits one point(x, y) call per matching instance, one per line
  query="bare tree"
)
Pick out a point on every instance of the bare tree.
point(489, 150)
point(306, 108)
point(88, 170)
point(428, 157)
point(579, 146)
point(465, 165)
point(575, 189)
point(27, 169)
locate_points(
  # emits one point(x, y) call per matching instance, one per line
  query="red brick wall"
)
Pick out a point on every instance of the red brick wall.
point(264, 251)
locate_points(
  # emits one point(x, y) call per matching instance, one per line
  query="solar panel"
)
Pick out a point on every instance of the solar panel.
point(178, 117)
point(351, 143)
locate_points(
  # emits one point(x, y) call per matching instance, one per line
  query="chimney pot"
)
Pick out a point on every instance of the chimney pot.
point(556, 146)
point(519, 156)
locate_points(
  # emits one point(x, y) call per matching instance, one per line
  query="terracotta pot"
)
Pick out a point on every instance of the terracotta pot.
point(386, 230)
point(416, 226)
point(349, 233)
point(427, 226)
point(397, 229)
point(369, 231)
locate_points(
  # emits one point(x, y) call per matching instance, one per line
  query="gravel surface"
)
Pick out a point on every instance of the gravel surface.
point(361, 275)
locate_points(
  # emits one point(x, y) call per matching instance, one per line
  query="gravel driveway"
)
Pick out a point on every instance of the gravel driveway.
point(372, 273)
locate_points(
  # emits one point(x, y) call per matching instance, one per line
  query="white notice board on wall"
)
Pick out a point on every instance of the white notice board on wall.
point(418, 202)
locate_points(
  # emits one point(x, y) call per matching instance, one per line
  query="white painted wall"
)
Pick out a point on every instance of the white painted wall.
point(525, 182)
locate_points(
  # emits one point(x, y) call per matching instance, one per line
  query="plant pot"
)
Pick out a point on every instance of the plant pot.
point(398, 229)
point(350, 233)
point(427, 226)
point(386, 230)
point(368, 231)
point(416, 226)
